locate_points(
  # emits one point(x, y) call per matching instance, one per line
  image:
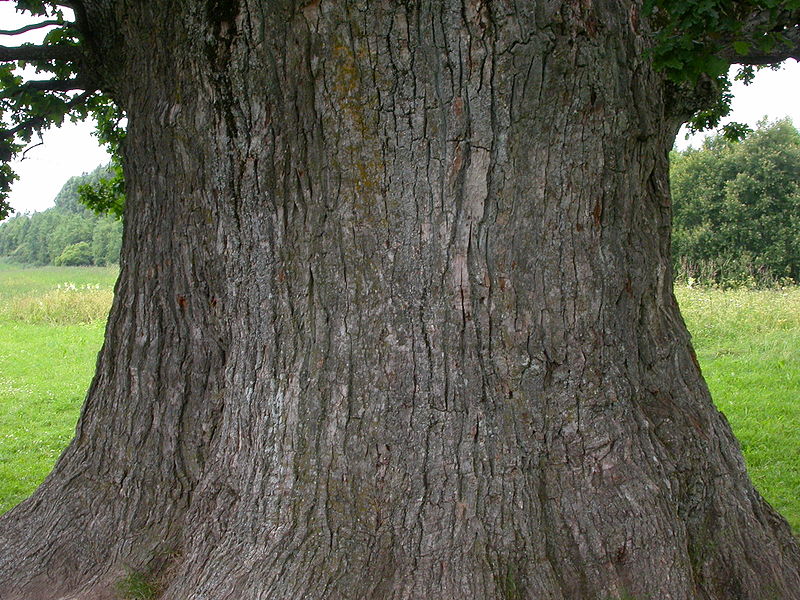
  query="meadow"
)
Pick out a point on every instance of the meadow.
point(748, 346)
point(51, 328)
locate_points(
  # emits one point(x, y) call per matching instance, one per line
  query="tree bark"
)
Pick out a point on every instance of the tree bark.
point(395, 320)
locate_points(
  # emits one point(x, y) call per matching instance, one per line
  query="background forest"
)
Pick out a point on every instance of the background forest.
point(68, 234)
point(736, 209)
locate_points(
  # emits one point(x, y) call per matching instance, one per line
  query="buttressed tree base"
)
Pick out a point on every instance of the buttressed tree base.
point(395, 315)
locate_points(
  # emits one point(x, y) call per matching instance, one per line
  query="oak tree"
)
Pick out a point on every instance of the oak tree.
point(395, 315)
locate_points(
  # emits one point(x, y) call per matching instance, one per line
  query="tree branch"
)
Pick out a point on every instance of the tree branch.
point(32, 123)
point(54, 85)
point(785, 23)
point(28, 149)
point(31, 52)
point(39, 120)
point(31, 27)
point(790, 48)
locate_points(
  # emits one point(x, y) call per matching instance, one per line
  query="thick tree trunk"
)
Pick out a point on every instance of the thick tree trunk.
point(395, 321)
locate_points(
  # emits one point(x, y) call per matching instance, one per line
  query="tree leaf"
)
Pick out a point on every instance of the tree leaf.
point(741, 47)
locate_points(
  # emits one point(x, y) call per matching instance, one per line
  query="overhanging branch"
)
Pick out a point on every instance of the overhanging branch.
point(785, 26)
point(28, 124)
point(54, 85)
point(40, 53)
point(782, 52)
point(771, 58)
point(31, 27)
point(39, 121)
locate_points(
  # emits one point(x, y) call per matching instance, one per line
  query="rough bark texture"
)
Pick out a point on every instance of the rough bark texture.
point(395, 321)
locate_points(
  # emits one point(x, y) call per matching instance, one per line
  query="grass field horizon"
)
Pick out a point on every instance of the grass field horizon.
point(52, 321)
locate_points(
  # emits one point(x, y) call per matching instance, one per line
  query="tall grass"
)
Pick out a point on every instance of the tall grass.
point(18, 280)
point(68, 304)
point(739, 273)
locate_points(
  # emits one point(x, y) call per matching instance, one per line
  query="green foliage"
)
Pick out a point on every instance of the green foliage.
point(36, 7)
point(34, 247)
point(698, 39)
point(736, 208)
point(106, 241)
point(68, 199)
point(690, 33)
point(69, 230)
point(75, 255)
point(42, 238)
point(13, 233)
point(27, 108)
point(107, 195)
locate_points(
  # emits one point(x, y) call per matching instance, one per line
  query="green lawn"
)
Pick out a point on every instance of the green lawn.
point(51, 328)
point(44, 374)
point(748, 343)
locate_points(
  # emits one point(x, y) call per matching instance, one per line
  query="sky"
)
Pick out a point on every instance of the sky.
point(72, 150)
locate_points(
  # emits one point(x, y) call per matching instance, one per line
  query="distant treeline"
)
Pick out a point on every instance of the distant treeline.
point(68, 234)
point(736, 209)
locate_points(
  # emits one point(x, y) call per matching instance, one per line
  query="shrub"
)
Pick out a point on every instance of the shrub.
point(75, 255)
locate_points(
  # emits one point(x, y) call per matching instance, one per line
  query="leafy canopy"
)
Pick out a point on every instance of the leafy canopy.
point(700, 39)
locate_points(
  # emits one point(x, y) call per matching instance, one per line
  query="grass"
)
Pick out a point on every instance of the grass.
point(17, 281)
point(748, 343)
point(44, 373)
point(50, 334)
point(65, 305)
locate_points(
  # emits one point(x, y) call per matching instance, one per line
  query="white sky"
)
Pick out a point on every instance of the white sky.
point(71, 149)
point(773, 94)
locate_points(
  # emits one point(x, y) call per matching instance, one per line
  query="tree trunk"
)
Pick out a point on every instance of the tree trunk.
point(395, 321)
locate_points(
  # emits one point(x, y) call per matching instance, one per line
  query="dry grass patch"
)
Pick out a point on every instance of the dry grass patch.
point(68, 304)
